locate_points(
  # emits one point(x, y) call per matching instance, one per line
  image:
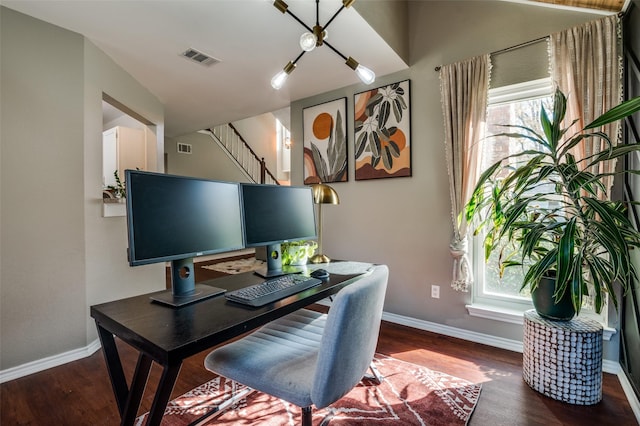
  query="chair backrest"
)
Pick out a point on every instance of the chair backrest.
point(350, 337)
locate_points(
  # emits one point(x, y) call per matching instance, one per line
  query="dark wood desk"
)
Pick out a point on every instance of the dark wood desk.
point(169, 335)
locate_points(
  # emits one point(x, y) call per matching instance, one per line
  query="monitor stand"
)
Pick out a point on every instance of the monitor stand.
point(184, 290)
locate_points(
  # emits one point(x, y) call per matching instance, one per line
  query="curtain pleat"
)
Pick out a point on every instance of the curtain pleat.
point(586, 66)
point(463, 89)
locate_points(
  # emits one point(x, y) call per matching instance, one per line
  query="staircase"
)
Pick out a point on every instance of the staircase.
point(239, 151)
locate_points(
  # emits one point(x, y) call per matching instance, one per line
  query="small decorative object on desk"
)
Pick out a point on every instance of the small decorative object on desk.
point(563, 359)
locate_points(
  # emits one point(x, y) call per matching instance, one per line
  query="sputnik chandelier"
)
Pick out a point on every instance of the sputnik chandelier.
point(316, 37)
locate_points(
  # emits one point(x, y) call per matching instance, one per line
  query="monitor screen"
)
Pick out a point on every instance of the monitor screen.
point(175, 218)
point(274, 214)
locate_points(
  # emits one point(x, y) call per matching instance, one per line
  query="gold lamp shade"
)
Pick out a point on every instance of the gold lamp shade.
point(322, 194)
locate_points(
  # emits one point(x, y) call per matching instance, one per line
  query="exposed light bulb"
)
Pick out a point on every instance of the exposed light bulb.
point(365, 74)
point(278, 80)
point(308, 41)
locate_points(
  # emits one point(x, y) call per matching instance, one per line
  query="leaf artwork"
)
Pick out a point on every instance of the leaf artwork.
point(326, 126)
point(382, 131)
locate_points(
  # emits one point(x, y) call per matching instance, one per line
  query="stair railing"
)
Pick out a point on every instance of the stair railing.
point(239, 151)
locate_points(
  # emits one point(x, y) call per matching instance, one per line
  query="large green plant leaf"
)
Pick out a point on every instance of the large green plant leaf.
point(616, 113)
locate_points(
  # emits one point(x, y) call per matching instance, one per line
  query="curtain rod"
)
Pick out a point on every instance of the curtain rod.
point(507, 49)
point(526, 43)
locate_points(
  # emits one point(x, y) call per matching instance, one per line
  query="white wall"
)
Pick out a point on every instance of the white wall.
point(406, 222)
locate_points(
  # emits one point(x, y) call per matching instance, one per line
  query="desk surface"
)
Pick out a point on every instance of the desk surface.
point(169, 335)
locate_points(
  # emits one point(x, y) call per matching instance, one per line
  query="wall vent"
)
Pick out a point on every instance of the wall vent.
point(199, 57)
point(184, 148)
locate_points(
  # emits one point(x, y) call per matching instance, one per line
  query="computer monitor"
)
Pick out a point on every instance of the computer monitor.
point(176, 218)
point(274, 214)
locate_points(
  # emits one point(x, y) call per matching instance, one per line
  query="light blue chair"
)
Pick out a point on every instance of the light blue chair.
point(308, 358)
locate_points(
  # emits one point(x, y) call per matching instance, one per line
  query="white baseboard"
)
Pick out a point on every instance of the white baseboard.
point(486, 339)
point(49, 362)
point(630, 394)
point(472, 336)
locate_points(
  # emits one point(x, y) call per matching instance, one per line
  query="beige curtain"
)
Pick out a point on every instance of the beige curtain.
point(586, 66)
point(463, 86)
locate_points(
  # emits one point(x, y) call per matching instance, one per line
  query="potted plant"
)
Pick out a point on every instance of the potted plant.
point(551, 209)
point(119, 189)
point(297, 252)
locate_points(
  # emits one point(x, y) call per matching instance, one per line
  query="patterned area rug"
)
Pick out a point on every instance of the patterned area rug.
point(236, 266)
point(408, 395)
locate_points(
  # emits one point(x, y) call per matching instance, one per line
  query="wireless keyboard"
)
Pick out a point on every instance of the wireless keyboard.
point(272, 289)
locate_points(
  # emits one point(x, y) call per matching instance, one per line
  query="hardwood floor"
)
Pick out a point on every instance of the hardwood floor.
point(79, 393)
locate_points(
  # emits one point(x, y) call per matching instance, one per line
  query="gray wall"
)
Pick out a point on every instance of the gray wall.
point(59, 255)
point(41, 191)
point(207, 159)
point(406, 222)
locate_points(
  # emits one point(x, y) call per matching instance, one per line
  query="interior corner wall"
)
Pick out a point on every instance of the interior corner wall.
point(59, 255)
point(390, 19)
point(108, 274)
point(406, 222)
point(42, 275)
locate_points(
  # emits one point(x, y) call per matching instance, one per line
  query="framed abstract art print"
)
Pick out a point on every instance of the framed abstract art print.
point(382, 123)
point(325, 142)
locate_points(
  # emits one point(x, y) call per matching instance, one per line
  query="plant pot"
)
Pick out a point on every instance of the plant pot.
point(298, 256)
point(545, 305)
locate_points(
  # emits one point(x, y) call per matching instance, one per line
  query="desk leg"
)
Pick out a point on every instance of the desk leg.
point(114, 367)
point(163, 393)
point(138, 383)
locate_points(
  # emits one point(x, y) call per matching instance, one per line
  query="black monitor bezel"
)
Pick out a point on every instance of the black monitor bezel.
point(279, 240)
point(133, 261)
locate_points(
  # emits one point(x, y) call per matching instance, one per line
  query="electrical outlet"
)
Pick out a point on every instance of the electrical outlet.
point(435, 291)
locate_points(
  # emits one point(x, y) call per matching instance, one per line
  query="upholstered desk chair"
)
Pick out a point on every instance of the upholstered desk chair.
point(308, 358)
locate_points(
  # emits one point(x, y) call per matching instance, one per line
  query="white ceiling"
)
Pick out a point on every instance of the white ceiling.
point(251, 38)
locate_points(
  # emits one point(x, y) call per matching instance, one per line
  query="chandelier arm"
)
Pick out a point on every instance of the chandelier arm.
point(335, 50)
point(299, 21)
point(298, 58)
point(318, 12)
point(333, 17)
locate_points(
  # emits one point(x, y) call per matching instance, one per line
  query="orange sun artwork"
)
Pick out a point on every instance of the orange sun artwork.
point(325, 142)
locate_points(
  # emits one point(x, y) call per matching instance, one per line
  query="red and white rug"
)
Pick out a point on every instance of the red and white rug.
point(409, 394)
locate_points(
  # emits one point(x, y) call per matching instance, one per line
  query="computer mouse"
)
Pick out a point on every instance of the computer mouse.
point(320, 273)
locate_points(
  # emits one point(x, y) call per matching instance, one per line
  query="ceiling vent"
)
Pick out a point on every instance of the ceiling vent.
point(184, 148)
point(199, 57)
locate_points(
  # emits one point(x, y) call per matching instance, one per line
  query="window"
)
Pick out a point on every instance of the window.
point(517, 104)
point(283, 137)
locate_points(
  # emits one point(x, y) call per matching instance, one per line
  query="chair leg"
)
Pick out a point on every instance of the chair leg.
point(306, 416)
point(375, 374)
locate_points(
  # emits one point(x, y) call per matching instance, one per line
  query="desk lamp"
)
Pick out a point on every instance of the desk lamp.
point(322, 194)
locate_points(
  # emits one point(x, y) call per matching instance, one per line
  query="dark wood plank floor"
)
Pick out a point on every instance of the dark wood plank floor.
point(79, 393)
